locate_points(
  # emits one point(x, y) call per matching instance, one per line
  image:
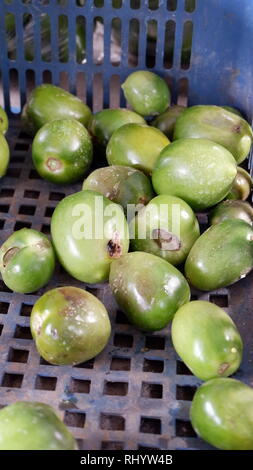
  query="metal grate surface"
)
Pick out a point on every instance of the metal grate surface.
point(136, 394)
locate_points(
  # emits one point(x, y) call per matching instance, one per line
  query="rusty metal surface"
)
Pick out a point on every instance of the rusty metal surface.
point(136, 394)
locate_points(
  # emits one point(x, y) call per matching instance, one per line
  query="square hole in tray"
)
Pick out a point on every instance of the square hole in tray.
point(79, 386)
point(185, 392)
point(49, 211)
point(123, 341)
point(45, 383)
point(75, 419)
point(184, 429)
point(18, 225)
point(13, 172)
point(33, 175)
point(4, 208)
point(1, 329)
point(120, 363)
point(23, 146)
point(112, 445)
point(153, 365)
point(45, 363)
point(86, 365)
point(121, 318)
point(141, 447)
point(3, 287)
point(112, 422)
point(7, 192)
point(45, 229)
point(22, 332)
point(4, 307)
point(2, 222)
point(150, 390)
point(182, 369)
point(55, 196)
point(150, 425)
point(155, 342)
point(115, 388)
point(25, 310)
point(18, 355)
point(31, 194)
point(27, 210)
point(12, 380)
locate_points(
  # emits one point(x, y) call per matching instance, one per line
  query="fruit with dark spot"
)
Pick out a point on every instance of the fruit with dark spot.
point(121, 184)
point(148, 289)
point(166, 227)
point(221, 256)
point(242, 185)
point(231, 209)
point(27, 261)
point(4, 123)
point(217, 124)
point(33, 426)
point(166, 121)
point(4, 155)
point(222, 414)
point(207, 340)
point(62, 151)
point(88, 232)
point(69, 326)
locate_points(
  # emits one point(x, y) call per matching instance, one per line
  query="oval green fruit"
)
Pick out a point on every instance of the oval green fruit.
point(222, 414)
point(4, 123)
point(197, 170)
point(62, 151)
point(231, 209)
point(136, 145)
point(147, 93)
point(47, 103)
point(105, 122)
point(242, 185)
point(166, 227)
point(88, 232)
point(207, 340)
point(166, 121)
point(27, 261)
point(4, 155)
point(69, 326)
point(148, 289)
point(221, 256)
point(216, 124)
point(121, 184)
point(28, 425)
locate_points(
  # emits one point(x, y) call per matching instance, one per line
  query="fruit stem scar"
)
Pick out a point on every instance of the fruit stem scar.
point(114, 247)
point(166, 241)
point(223, 367)
point(237, 129)
point(53, 164)
point(9, 255)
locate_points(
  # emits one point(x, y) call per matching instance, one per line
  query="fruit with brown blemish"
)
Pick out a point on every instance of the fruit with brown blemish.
point(231, 209)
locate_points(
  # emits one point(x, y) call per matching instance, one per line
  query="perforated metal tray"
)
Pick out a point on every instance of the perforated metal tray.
point(136, 394)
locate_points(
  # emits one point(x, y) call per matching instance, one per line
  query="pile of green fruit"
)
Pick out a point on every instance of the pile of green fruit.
point(165, 163)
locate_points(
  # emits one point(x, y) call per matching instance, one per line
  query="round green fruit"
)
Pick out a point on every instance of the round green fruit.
point(216, 124)
point(4, 123)
point(147, 93)
point(148, 289)
point(166, 121)
point(28, 425)
point(4, 155)
point(27, 261)
point(88, 232)
point(222, 414)
point(231, 209)
point(136, 145)
point(207, 340)
point(197, 170)
point(221, 256)
point(242, 185)
point(166, 227)
point(62, 151)
point(69, 326)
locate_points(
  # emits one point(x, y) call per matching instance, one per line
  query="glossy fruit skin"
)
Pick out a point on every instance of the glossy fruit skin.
point(27, 261)
point(121, 184)
point(166, 121)
point(166, 227)
point(47, 103)
point(62, 160)
point(222, 414)
point(148, 289)
point(105, 122)
point(33, 426)
point(242, 185)
point(88, 259)
point(146, 92)
point(136, 145)
point(231, 209)
point(207, 340)
point(216, 124)
point(4, 155)
point(199, 171)
point(4, 122)
point(221, 256)
point(69, 326)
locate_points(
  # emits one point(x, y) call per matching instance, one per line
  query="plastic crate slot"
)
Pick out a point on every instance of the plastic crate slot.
point(155, 342)
point(63, 41)
point(14, 91)
point(2, 222)
point(97, 87)
point(4, 208)
point(47, 76)
point(55, 196)
point(18, 355)
point(184, 429)
point(7, 192)
point(112, 445)
point(98, 40)
point(190, 5)
point(182, 369)
point(45, 38)
point(120, 363)
point(220, 300)
point(185, 392)
point(27, 210)
point(45, 383)
point(115, 388)
point(133, 42)
point(17, 159)
point(75, 419)
point(123, 341)
point(112, 422)
point(98, 3)
point(79, 386)
point(12, 380)
point(20, 224)
point(33, 175)
point(150, 425)
point(81, 86)
point(25, 310)
point(80, 444)
point(81, 31)
point(142, 447)
point(13, 172)
point(151, 43)
point(11, 38)
point(121, 318)
point(153, 4)
point(153, 365)
point(64, 80)
point(30, 84)
point(116, 33)
point(151, 390)
point(44, 362)
point(28, 37)
point(86, 365)
point(186, 45)
point(114, 91)
point(4, 307)
point(171, 5)
point(1, 329)
point(182, 99)
point(31, 194)
point(3, 287)
point(49, 211)
point(22, 332)
point(169, 42)
point(22, 146)
point(135, 4)
point(116, 3)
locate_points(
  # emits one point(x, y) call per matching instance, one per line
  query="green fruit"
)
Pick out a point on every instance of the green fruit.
point(222, 414)
point(199, 171)
point(103, 124)
point(62, 151)
point(207, 340)
point(4, 123)
point(121, 184)
point(47, 103)
point(242, 185)
point(27, 261)
point(28, 425)
point(166, 227)
point(136, 145)
point(4, 155)
point(69, 326)
point(221, 256)
point(231, 210)
point(216, 124)
point(166, 121)
point(148, 289)
point(147, 93)
point(88, 232)
point(232, 110)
